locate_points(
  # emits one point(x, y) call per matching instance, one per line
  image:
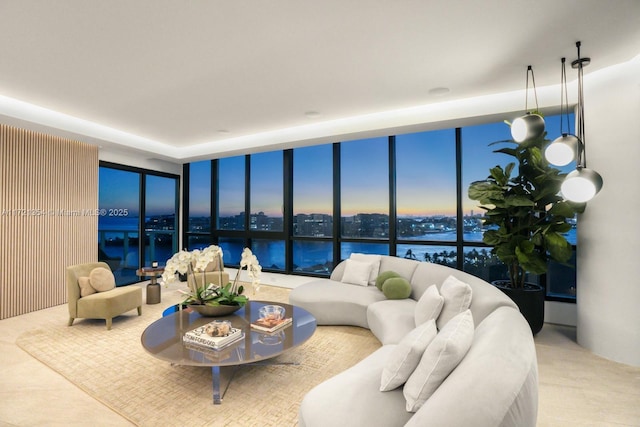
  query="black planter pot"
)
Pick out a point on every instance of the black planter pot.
point(529, 300)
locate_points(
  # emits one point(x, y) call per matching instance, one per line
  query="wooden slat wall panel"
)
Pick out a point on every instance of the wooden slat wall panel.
point(48, 200)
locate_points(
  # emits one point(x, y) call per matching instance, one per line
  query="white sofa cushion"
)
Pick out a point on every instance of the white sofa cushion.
point(429, 306)
point(357, 272)
point(374, 260)
point(391, 320)
point(457, 298)
point(406, 356)
point(440, 358)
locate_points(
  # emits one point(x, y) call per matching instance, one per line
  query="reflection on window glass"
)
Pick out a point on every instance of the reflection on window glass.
point(267, 191)
point(348, 248)
point(561, 279)
point(198, 242)
point(200, 196)
point(231, 250)
point(313, 257)
point(313, 191)
point(426, 185)
point(270, 253)
point(230, 203)
point(364, 187)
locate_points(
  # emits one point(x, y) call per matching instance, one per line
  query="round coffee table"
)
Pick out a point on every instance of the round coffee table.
point(163, 339)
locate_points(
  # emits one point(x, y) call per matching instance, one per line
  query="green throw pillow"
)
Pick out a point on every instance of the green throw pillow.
point(384, 276)
point(396, 288)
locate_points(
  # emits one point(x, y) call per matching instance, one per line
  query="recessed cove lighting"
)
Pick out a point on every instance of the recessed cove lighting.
point(439, 91)
point(312, 114)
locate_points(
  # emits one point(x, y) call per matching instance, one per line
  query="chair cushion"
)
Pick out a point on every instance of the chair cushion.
point(440, 358)
point(85, 286)
point(406, 356)
point(102, 280)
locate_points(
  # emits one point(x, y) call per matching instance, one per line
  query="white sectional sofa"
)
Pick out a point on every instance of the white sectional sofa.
point(495, 383)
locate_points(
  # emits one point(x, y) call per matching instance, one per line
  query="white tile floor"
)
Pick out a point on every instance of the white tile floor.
point(576, 387)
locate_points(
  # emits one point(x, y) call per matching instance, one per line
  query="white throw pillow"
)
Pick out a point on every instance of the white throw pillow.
point(102, 279)
point(440, 358)
point(429, 305)
point(85, 286)
point(356, 272)
point(406, 356)
point(457, 298)
point(374, 260)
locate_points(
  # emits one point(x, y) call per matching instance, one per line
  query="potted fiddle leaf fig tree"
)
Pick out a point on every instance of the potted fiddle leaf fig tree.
point(525, 219)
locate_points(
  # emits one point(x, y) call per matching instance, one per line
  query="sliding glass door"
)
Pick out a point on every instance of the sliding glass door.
point(138, 219)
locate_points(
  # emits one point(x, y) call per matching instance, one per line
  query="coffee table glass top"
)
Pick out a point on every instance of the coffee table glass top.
point(163, 338)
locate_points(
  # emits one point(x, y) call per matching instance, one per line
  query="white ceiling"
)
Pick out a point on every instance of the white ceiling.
point(188, 79)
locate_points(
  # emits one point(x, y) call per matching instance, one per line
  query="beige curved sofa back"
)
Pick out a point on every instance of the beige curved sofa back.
point(485, 297)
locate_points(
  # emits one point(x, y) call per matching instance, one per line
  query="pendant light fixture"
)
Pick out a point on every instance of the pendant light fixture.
point(563, 149)
point(582, 184)
point(531, 125)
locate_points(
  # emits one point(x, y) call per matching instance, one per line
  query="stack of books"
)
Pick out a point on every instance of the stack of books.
point(270, 324)
point(200, 337)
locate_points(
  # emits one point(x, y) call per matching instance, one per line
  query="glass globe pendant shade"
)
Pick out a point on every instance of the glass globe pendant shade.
point(581, 185)
point(562, 150)
point(527, 127)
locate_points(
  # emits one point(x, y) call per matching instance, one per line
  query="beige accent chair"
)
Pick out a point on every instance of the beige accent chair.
point(101, 305)
point(214, 273)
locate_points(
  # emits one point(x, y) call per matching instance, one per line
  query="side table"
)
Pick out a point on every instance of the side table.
point(153, 288)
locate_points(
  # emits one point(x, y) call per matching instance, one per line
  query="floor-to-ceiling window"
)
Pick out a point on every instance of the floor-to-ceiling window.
point(138, 219)
point(364, 196)
point(426, 196)
point(402, 195)
point(312, 233)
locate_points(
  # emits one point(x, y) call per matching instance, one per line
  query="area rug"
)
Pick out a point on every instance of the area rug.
point(112, 367)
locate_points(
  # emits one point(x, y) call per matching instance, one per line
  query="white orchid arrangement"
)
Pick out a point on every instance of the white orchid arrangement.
point(249, 260)
point(197, 260)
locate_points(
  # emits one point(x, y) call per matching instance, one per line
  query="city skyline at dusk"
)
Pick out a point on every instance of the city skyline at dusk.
point(425, 175)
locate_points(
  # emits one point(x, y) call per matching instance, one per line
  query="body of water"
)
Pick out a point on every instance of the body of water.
point(309, 256)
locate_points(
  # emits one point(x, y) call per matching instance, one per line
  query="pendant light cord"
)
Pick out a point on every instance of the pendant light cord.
point(581, 160)
point(564, 99)
point(535, 94)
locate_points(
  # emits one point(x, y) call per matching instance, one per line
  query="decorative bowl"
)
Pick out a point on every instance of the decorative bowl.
point(272, 312)
point(214, 310)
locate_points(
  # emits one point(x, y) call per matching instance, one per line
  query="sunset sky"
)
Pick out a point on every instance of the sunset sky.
point(425, 176)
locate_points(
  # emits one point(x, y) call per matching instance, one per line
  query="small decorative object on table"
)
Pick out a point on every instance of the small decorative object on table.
point(271, 319)
point(217, 334)
point(211, 299)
